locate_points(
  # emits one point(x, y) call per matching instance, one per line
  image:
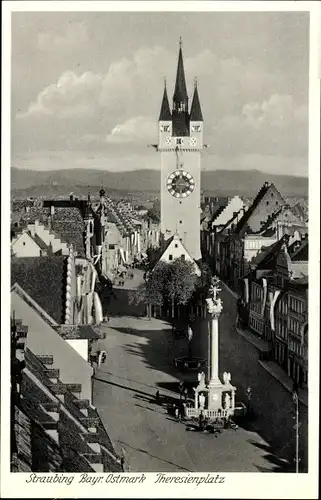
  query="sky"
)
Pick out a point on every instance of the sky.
point(87, 88)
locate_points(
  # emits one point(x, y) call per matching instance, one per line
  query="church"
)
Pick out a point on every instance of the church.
point(180, 142)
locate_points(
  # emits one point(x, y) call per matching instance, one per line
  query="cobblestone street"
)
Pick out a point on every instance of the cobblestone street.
point(140, 361)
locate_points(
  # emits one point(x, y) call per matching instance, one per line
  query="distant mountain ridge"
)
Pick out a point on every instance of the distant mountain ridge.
point(220, 182)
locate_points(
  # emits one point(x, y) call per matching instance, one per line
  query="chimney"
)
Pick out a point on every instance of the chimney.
point(52, 210)
point(32, 229)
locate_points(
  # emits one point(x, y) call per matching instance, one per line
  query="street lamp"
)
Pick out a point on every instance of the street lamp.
point(249, 397)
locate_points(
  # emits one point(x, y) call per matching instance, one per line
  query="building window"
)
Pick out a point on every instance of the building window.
point(267, 202)
point(111, 246)
point(180, 222)
point(170, 257)
point(183, 256)
point(176, 246)
point(276, 203)
point(24, 243)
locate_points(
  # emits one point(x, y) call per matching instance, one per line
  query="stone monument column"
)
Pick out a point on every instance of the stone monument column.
point(215, 386)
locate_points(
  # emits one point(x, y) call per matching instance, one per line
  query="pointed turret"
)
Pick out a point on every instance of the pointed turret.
point(165, 112)
point(196, 112)
point(180, 98)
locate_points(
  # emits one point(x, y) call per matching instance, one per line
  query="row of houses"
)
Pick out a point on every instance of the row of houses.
point(63, 254)
point(261, 252)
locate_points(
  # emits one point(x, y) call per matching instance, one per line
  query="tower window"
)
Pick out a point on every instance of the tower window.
point(170, 257)
point(267, 202)
point(176, 246)
point(180, 222)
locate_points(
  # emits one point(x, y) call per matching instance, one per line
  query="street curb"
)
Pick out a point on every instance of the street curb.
point(285, 385)
point(240, 332)
point(235, 295)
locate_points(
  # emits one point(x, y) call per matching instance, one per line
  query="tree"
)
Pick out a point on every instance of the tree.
point(151, 292)
point(168, 282)
point(181, 281)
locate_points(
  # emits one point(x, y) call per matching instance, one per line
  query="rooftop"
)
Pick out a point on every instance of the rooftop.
point(43, 278)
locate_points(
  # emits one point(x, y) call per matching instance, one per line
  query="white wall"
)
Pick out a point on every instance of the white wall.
point(176, 249)
point(233, 206)
point(80, 346)
point(252, 246)
point(25, 246)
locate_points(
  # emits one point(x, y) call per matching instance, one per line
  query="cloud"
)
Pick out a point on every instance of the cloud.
point(71, 96)
point(137, 129)
point(277, 111)
point(132, 85)
point(244, 110)
point(277, 125)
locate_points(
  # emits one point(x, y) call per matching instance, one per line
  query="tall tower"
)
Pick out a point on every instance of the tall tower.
point(180, 143)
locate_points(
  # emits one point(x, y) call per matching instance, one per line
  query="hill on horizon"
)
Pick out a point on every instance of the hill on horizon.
point(26, 182)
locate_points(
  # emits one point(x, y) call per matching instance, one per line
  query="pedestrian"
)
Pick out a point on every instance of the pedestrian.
point(157, 397)
point(185, 393)
point(122, 459)
point(177, 414)
point(201, 421)
point(182, 411)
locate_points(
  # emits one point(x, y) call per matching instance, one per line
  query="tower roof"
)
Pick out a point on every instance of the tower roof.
point(196, 112)
point(180, 93)
point(165, 112)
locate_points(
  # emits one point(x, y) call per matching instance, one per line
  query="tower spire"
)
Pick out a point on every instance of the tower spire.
point(180, 98)
point(196, 112)
point(165, 112)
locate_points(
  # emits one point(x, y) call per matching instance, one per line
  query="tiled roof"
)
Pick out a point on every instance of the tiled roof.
point(53, 434)
point(303, 281)
point(43, 278)
point(267, 257)
point(41, 244)
point(66, 222)
point(302, 252)
point(242, 224)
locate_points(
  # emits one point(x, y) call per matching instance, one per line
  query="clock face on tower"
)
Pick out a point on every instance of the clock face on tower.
point(180, 184)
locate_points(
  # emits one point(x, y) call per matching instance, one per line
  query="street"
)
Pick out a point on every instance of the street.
point(271, 403)
point(140, 361)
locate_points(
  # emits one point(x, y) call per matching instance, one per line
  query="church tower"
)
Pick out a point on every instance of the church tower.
point(180, 143)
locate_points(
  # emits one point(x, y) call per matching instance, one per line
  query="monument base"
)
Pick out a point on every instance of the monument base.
point(215, 391)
